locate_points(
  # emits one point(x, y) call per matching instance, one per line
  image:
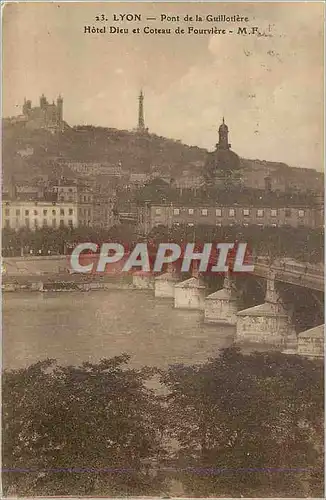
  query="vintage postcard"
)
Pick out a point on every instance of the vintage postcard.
point(162, 249)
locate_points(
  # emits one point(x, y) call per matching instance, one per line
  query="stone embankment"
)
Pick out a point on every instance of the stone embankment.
point(52, 274)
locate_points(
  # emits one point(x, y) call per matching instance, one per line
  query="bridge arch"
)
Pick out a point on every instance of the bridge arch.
point(305, 306)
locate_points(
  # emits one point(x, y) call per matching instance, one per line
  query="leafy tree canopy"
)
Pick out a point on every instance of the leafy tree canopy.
point(237, 425)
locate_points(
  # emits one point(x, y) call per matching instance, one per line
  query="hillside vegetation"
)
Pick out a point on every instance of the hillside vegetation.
point(134, 152)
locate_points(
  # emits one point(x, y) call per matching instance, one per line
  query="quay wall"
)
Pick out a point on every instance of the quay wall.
point(35, 266)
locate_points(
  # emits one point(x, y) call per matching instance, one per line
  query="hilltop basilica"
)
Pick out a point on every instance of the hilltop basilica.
point(45, 116)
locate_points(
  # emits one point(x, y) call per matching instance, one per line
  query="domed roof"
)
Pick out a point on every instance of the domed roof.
point(221, 160)
point(223, 127)
point(222, 163)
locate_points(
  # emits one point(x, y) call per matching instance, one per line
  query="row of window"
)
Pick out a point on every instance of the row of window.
point(63, 199)
point(36, 223)
point(85, 211)
point(245, 224)
point(54, 203)
point(85, 199)
point(260, 212)
point(35, 212)
point(64, 190)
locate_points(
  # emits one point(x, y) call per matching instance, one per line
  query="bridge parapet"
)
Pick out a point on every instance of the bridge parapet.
point(295, 273)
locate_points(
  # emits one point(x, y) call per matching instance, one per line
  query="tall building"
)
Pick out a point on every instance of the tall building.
point(223, 135)
point(45, 116)
point(141, 121)
point(222, 165)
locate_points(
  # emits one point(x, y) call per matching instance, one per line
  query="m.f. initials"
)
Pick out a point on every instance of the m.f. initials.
point(248, 31)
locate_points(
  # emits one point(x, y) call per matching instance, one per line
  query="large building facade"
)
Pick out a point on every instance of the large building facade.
point(38, 214)
point(235, 204)
point(229, 215)
point(65, 204)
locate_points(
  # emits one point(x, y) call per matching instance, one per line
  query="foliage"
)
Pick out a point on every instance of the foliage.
point(157, 191)
point(48, 241)
point(134, 152)
point(247, 425)
point(95, 416)
point(302, 244)
point(238, 425)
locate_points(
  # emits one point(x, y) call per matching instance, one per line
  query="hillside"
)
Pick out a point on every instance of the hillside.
point(134, 152)
point(28, 153)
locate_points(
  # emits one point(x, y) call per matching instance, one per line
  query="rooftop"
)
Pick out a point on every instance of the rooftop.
point(316, 332)
point(240, 198)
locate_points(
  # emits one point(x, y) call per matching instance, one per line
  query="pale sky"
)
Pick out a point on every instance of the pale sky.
point(269, 88)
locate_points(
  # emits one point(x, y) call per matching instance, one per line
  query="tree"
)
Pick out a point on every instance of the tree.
point(80, 429)
point(238, 425)
point(248, 425)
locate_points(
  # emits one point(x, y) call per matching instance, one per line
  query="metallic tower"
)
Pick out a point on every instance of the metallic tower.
point(141, 121)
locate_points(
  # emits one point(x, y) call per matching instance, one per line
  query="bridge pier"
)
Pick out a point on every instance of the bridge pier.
point(143, 281)
point(221, 306)
point(267, 323)
point(165, 283)
point(190, 294)
point(311, 342)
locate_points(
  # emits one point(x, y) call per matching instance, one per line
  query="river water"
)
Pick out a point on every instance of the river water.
point(73, 327)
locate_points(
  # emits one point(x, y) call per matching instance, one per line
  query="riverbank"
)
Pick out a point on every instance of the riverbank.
point(64, 282)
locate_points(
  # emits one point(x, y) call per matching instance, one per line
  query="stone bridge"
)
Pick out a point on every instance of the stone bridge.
point(292, 272)
point(287, 297)
point(287, 289)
